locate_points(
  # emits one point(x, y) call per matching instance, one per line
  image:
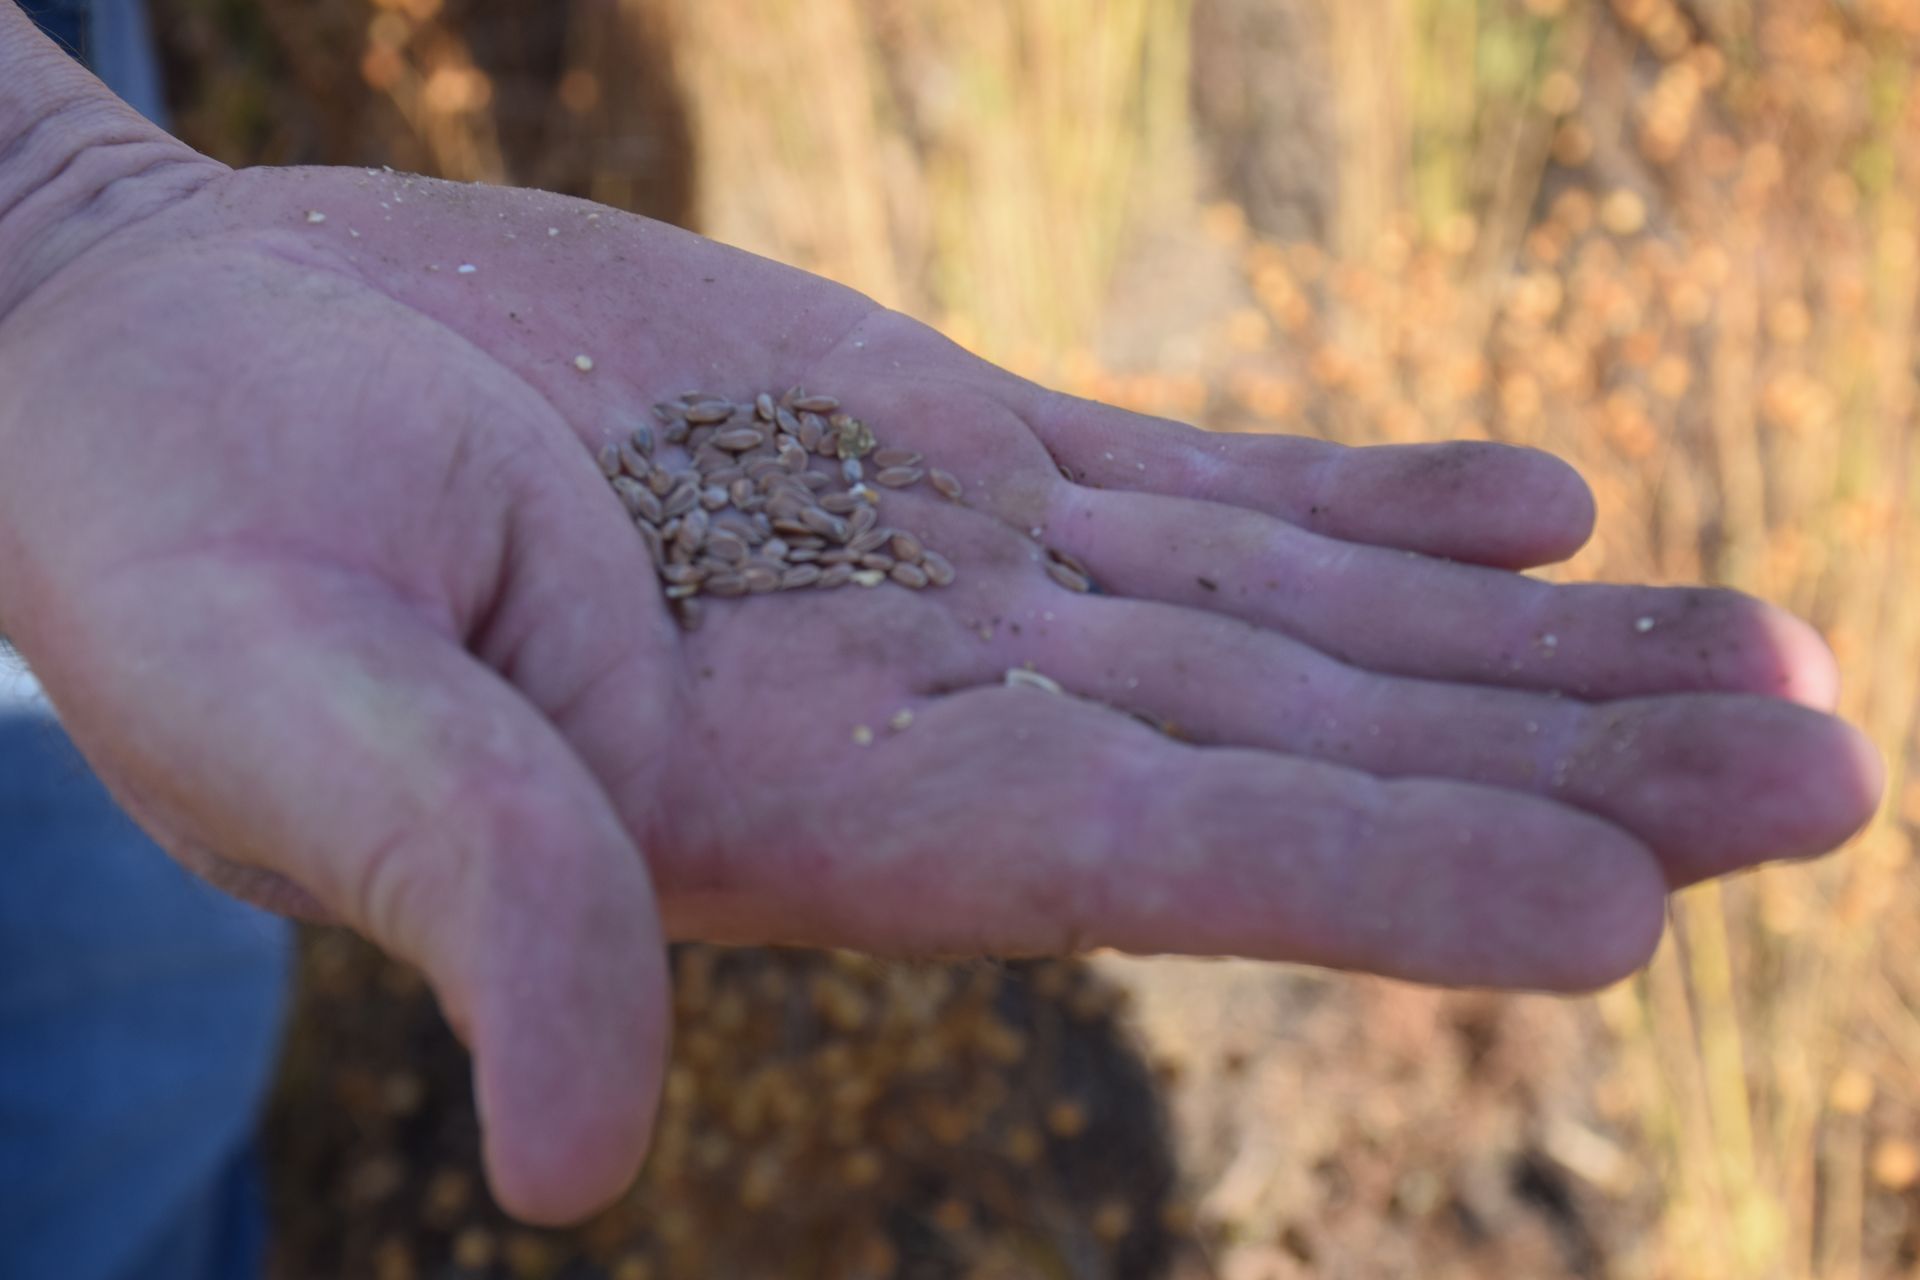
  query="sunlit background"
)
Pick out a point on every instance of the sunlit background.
point(1674, 242)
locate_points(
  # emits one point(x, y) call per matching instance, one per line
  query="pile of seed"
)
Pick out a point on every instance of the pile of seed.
point(748, 511)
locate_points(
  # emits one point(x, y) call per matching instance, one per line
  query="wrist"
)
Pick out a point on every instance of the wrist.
point(76, 164)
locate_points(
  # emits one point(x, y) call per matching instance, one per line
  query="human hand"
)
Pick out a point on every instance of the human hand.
point(301, 527)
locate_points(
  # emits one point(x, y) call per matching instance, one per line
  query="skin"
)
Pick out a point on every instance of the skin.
point(306, 540)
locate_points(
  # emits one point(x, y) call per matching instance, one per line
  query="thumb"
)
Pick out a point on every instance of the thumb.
point(406, 789)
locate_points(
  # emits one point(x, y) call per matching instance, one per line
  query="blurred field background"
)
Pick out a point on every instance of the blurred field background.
point(1674, 242)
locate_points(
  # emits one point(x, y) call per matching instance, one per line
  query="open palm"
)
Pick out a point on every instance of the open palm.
point(305, 535)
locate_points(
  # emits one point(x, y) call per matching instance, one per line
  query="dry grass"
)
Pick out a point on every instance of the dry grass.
point(1675, 243)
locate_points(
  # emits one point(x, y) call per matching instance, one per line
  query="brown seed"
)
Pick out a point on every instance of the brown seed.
point(689, 613)
point(908, 575)
point(863, 519)
point(895, 458)
point(633, 462)
point(899, 477)
point(939, 569)
point(629, 490)
point(839, 555)
point(724, 476)
point(800, 575)
point(667, 412)
point(784, 418)
point(741, 491)
point(726, 546)
point(869, 540)
point(823, 447)
point(609, 460)
point(725, 584)
point(816, 404)
point(680, 574)
point(660, 481)
point(763, 406)
point(792, 528)
point(835, 575)
point(709, 411)
point(868, 577)
point(713, 497)
point(824, 523)
point(803, 555)
point(708, 457)
point(656, 549)
point(815, 481)
point(685, 496)
point(809, 430)
point(945, 482)
point(877, 562)
point(739, 439)
point(738, 525)
point(775, 549)
point(1071, 579)
point(642, 439)
point(761, 579)
point(905, 546)
point(792, 456)
point(675, 432)
point(645, 506)
point(839, 504)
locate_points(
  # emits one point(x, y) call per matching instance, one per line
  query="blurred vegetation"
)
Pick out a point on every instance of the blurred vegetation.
point(1674, 242)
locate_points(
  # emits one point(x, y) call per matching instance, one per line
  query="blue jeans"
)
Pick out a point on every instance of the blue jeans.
point(139, 1015)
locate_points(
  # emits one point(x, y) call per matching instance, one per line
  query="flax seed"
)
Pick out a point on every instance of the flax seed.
point(713, 497)
point(899, 477)
point(816, 404)
point(726, 546)
point(840, 504)
point(946, 483)
point(630, 491)
point(835, 575)
point(763, 407)
point(739, 439)
point(788, 423)
point(868, 540)
point(799, 575)
point(877, 562)
point(684, 498)
point(725, 584)
point(895, 458)
point(642, 439)
point(760, 579)
point(938, 568)
point(863, 519)
point(908, 575)
point(609, 460)
point(905, 546)
point(707, 411)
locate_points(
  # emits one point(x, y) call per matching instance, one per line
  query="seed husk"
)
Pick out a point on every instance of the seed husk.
point(706, 411)
point(1022, 678)
point(868, 577)
point(851, 471)
point(899, 477)
point(853, 438)
point(945, 482)
point(905, 546)
point(681, 590)
point(908, 575)
point(1070, 578)
point(938, 568)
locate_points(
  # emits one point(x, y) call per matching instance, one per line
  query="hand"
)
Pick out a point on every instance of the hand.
point(301, 527)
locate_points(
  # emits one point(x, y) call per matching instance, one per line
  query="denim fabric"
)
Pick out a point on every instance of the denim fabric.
point(139, 1015)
